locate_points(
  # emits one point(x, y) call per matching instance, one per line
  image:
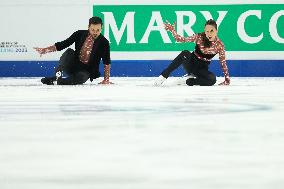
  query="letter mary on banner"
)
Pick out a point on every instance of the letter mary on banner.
point(241, 27)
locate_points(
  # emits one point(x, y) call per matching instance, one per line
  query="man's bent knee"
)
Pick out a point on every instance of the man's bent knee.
point(81, 77)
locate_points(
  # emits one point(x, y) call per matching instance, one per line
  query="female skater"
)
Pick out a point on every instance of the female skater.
point(196, 63)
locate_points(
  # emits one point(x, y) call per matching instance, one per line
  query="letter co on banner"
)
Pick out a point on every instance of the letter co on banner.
point(241, 27)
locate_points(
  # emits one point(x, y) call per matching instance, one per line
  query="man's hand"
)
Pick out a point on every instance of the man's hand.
point(106, 76)
point(226, 82)
point(105, 82)
point(42, 51)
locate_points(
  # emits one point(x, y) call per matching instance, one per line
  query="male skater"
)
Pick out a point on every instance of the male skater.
point(83, 63)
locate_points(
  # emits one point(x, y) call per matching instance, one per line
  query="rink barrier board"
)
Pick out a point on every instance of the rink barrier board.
point(147, 68)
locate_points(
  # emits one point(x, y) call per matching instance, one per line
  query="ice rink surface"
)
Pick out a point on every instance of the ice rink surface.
point(132, 135)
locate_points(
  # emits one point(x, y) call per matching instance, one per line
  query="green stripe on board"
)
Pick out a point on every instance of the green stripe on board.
point(241, 27)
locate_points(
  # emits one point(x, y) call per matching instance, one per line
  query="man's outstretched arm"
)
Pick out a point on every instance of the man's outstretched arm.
point(42, 51)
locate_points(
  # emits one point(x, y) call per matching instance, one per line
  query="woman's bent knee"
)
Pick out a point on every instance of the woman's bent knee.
point(212, 80)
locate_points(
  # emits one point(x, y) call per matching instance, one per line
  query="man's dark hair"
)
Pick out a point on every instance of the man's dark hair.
point(95, 20)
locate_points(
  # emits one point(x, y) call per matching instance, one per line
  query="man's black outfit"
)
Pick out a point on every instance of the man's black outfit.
point(78, 72)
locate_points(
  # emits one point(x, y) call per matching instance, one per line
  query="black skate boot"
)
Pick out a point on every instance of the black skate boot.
point(48, 80)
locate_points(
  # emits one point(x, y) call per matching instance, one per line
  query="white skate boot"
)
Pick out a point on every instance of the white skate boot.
point(159, 81)
point(182, 80)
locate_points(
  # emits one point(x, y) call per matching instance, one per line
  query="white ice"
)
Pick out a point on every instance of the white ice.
point(132, 135)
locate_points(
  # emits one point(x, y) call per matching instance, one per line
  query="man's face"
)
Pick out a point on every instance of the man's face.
point(95, 30)
point(210, 32)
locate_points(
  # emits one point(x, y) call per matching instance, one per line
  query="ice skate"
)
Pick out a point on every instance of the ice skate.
point(182, 80)
point(48, 80)
point(51, 80)
point(159, 81)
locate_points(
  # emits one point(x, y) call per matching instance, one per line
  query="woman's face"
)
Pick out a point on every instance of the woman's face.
point(210, 32)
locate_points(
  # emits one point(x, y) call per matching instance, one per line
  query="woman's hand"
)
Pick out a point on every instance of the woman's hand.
point(106, 82)
point(226, 82)
point(169, 26)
